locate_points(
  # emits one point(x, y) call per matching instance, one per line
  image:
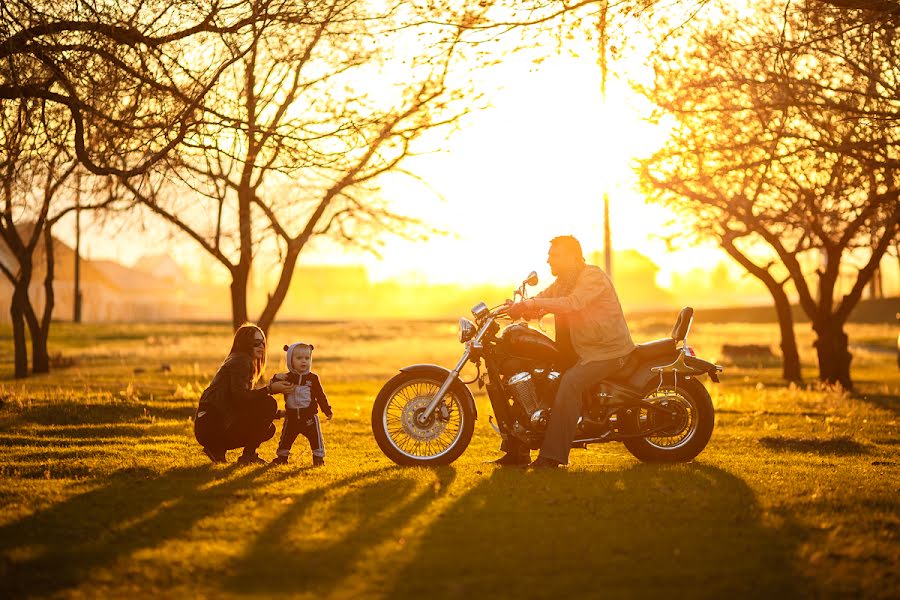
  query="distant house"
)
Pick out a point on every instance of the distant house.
point(157, 291)
point(95, 285)
point(162, 267)
point(156, 288)
point(634, 276)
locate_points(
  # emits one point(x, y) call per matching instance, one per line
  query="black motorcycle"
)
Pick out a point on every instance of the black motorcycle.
point(655, 405)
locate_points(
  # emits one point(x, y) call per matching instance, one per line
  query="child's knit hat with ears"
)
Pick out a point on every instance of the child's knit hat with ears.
point(289, 348)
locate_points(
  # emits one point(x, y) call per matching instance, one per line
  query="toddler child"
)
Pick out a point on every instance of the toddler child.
point(301, 406)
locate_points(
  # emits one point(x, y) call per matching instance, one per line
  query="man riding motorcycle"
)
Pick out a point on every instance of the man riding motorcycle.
point(591, 329)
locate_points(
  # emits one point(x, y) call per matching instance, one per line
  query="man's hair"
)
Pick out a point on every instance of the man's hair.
point(569, 244)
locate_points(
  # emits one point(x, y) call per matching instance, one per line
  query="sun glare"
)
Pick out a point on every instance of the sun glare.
point(535, 165)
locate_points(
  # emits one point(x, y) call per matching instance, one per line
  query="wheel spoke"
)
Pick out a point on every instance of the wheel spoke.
point(687, 419)
point(412, 437)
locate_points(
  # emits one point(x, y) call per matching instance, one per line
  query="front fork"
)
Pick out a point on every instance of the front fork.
point(494, 389)
point(425, 415)
point(472, 346)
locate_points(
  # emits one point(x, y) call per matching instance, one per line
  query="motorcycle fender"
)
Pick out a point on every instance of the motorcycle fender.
point(644, 378)
point(702, 366)
point(439, 372)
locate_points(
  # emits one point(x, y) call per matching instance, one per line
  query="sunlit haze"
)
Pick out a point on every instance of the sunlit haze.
point(533, 166)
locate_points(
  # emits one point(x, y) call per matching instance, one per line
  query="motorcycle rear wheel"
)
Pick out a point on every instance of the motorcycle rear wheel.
point(404, 440)
point(689, 435)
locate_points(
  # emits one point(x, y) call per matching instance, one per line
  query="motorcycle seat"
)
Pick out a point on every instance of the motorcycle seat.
point(650, 350)
point(641, 354)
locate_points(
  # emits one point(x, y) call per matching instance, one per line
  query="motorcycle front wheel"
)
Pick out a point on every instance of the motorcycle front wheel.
point(687, 434)
point(409, 441)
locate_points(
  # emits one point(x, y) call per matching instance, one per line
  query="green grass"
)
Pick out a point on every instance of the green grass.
point(103, 491)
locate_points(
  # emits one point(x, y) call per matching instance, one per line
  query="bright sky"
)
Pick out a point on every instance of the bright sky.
point(534, 166)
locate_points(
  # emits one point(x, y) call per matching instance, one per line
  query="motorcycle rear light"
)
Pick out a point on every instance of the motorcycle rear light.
point(689, 350)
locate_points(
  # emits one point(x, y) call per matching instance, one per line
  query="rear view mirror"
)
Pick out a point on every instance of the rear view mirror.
point(532, 279)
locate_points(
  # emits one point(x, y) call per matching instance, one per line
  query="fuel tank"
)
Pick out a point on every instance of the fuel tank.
point(523, 342)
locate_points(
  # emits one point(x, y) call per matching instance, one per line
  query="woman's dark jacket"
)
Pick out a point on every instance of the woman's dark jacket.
point(231, 387)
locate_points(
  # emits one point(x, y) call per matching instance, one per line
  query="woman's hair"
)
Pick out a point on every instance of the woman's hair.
point(243, 344)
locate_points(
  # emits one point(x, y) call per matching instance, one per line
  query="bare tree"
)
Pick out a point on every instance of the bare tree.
point(130, 74)
point(117, 85)
point(35, 174)
point(772, 154)
point(133, 73)
point(331, 96)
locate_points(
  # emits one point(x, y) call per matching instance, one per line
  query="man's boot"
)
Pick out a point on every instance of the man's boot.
point(542, 462)
point(517, 454)
point(521, 458)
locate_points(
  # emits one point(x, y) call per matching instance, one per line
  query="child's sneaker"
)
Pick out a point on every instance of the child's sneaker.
point(279, 460)
point(318, 461)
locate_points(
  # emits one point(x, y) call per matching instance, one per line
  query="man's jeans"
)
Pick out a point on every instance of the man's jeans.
point(567, 405)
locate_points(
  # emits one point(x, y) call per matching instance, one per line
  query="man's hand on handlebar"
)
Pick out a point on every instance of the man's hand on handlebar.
point(522, 310)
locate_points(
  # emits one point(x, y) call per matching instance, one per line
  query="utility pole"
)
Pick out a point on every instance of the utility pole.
point(875, 285)
point(77, 316)
point(607, 237)
point(604, 68)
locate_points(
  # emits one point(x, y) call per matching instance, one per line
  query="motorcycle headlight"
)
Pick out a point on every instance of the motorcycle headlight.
point(466, 330)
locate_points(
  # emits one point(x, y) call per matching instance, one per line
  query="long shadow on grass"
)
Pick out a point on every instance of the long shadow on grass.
point(59, 547)
point(684, 531)
point(883, 401)
point(312, 546)
point(839, 446)
point(86, 413)
point(88, 437)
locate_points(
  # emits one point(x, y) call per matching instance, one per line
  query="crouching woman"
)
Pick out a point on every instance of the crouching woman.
point(231, 413)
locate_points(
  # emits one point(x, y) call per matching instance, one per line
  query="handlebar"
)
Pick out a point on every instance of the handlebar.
point(500, 311)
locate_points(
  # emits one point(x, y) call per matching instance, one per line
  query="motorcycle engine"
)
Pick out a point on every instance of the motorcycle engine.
point(533, 392)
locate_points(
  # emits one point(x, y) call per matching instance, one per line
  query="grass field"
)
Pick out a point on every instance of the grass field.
point(104, 492)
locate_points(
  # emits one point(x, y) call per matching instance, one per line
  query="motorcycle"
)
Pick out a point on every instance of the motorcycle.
point(655, 405)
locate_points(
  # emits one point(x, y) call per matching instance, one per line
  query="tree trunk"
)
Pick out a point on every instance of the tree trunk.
point(40, 360)
point(239, 315)
point(40, 330)
point(833, 353)
point(276, 298)
point(17, 314)
point(240, 274)
point(76, 308)
point(790, 357)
